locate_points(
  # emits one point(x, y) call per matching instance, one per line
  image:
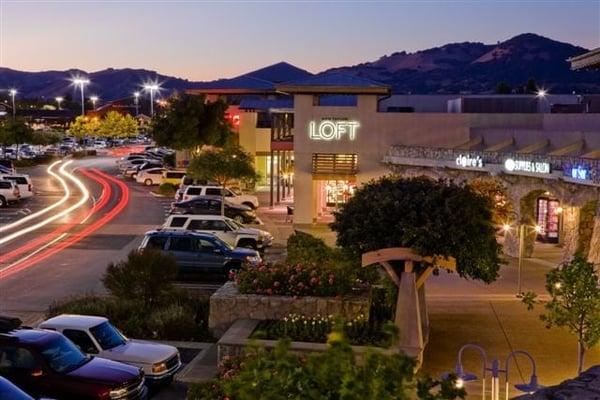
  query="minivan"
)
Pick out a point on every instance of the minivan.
point(173, 177)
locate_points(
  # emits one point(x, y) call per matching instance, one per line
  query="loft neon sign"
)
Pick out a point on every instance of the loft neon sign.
point(332, 130)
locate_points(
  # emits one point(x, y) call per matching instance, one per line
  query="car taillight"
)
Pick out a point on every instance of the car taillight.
point(29, 187)
point(16, 191)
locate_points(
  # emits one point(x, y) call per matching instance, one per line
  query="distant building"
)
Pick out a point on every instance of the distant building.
point(590, 60)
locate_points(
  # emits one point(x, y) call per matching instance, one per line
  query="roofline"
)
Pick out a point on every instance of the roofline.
point(589, 59)
point(322, 89)
point(229, 91)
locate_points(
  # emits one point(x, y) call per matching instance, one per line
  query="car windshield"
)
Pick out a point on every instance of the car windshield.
point(236, 191)
point(234, 224)
point(63, 356)
point(107, 336)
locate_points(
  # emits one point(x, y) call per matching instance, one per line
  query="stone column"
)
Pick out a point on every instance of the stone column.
point(594, 254)
point(570, 230)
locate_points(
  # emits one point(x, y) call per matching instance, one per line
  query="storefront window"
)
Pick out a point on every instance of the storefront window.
point(548, 219)
point(338, 192)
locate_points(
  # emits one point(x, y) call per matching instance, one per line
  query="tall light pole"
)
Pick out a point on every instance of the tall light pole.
point(153, 87)
point(58, 101)
point(94, 99)
point(136, 101)
point(81, 82)
point(13, 93)
point(521, 232)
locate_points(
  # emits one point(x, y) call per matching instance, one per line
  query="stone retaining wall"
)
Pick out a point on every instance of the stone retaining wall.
point(227, 305)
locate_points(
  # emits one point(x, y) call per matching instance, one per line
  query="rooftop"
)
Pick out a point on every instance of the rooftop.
point(73, 321)
point(590, 59)
point(332, 83)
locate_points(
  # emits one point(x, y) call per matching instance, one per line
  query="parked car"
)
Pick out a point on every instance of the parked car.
point(214, 190)
point(130, 157)
point(149, 177)
point(225, 228)
point(147, 165)
point(211, 205)
point(198, 253)
point(97, 336)
point(9, 193)
point(6, 166)
point(9, 391)
point(131, 164)
point(173, 176)
point(47, 364)
point(22, 181)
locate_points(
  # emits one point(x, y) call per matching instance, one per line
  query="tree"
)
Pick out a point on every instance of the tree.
point(223, 166)
point(188, 122)
point(115, 124)
point(495, 191)
point(503, 88)
point(531, 87)
point(84, 126)
point(574, 303)
point(431, 217)
point(15, 131)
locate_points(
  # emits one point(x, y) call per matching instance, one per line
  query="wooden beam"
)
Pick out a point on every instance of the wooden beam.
point(423, 276)
point(476, 141)
point(534, 147)
point(391, 272)
point(595, 154)
point(501, 145)
point(570, 148)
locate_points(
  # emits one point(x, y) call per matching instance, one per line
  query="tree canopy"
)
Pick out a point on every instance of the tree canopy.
point(431, 217)
point(84, 126)
point(15, 131)
point(223, 165)
point(115, 124)
point(188, 122)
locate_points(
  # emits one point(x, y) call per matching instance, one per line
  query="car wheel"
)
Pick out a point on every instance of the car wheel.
point(134, 175)
point(232, 266)
point(148, 182)
point(3, 202)
point(247, 203)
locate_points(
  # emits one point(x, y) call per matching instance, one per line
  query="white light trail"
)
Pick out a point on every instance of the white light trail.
point(43, 210)
point(82, 201)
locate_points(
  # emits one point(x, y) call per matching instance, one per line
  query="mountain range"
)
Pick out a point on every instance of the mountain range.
point(468, 67)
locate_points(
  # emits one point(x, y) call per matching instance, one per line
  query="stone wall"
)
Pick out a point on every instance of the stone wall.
point(585, 387)
point(586, 226)
point(570, 231)
point(594, 254)
point(228, 305)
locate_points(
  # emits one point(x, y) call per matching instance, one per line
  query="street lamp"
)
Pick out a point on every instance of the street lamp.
point(13, 93)
point(136, 101)
point(521, 227)
point(541, 93)
point(58, 101)
point(495, 370)
point(94, 99)
point(151, 87)
point(81, 82)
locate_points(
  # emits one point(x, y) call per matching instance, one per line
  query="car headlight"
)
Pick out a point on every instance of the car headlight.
point(159, 368)
point(117, 393)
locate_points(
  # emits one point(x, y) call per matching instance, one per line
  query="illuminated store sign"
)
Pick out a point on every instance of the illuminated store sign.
point(536, 167)
point(332, 130)
point(580, 172)
point(469, 161)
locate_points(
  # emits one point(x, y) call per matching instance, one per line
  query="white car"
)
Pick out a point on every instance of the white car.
point(149, 177)
point(96, 336)
point(223, 227)
point(233, 197)
point(22, 181)
point(9, 193)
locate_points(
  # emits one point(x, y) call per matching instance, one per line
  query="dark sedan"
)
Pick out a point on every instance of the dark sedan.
point(211, 205)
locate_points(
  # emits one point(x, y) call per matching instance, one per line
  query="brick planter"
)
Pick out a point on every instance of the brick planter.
point(227, 305)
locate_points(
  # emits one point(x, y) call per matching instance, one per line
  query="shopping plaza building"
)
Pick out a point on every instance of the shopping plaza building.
point(316, 138)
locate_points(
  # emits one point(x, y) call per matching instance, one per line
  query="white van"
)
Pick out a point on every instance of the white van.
point(22, 181)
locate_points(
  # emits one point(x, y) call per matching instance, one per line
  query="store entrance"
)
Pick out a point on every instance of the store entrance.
point(548, 219)
point(331, 195)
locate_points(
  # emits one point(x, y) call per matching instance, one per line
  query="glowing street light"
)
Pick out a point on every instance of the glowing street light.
point(58, 101)
point(13, 93)
point(94, 99)
point(136, 101)
point(541, 93)
point(151, 87)
point(81, 82)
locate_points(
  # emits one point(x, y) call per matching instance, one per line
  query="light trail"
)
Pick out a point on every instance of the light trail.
point(123, 201)
point(104, 197)
point(46, 209)
point(28, 256)
point(81, 202)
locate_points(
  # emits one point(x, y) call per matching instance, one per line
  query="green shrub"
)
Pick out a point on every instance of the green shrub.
point(174, 321)
point(167, 189)
point(303, 248)
point(145, 275)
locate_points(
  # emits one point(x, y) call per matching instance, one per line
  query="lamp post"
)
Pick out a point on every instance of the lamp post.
point(521, 232)
point(136, 101)
point(495, 371)
point(58, 101)
point(152, 87)
point(13, 93)
point(81, 82)
point(94, 99)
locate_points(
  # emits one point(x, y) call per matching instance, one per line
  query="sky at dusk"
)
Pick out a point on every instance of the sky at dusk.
point(205, 40)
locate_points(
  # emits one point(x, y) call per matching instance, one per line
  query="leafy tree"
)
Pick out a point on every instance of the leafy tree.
point(431, 217)
point(115, 124)
point(144, 276)
point(223, 166)
point(574, 303)
point(15, 131)
point(495, 191)
point(84, 126)
point(503, 88)
point(188, 122)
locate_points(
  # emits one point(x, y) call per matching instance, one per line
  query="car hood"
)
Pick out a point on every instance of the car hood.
point(242, 252)
point(140, 352)
point(105, 371)
point(254, 231)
